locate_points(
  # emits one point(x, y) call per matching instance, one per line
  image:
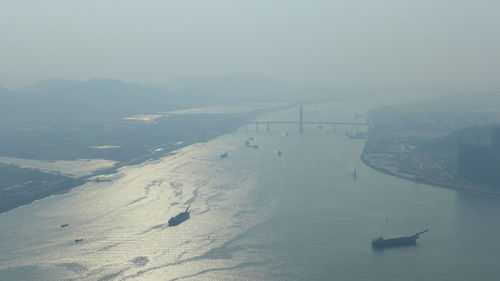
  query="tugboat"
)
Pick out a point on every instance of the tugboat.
point(381, 243)
point(181, 217)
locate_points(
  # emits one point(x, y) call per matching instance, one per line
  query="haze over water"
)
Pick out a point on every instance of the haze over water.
point(255, 216)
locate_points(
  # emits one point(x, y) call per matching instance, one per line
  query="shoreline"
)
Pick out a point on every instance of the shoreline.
point(464, 188)
point(11, 200)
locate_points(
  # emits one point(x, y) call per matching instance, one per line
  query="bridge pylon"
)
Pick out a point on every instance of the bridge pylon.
point(301, 120)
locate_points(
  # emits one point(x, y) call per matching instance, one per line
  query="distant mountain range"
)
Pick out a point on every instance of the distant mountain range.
point(92, 100)
point(95, 100)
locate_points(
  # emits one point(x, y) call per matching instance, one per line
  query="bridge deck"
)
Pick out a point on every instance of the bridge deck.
point(310, 122)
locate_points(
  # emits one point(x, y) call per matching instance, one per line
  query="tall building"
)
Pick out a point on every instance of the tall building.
point(495, 141)
point(475, 163)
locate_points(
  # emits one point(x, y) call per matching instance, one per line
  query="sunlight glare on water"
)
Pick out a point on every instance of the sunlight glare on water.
point(255, 215)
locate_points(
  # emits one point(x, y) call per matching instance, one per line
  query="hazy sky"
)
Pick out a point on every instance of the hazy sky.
point(350, 43)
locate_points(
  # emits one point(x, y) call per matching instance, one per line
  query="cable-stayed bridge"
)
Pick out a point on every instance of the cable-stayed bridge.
point(300, 123)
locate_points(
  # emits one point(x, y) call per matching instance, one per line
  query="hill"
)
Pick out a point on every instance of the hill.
point(96, 100)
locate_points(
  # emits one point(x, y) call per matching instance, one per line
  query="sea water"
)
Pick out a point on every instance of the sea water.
point(255, 216)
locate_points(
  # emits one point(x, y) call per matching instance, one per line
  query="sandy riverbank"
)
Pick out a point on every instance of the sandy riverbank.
point(21, 185)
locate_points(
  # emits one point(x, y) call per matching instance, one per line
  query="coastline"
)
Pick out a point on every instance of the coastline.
point(11, 198)
point(457, 186)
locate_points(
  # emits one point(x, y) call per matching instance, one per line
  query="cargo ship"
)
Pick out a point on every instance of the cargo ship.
point(381, 243)
point(181, 217)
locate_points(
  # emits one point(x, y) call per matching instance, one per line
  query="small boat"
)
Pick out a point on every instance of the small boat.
point(181, 217)
point(224, 155)
point(279, 153)
point(64, 225)
point(354, 174)
point(78, 240)
point(253, 146)
point(381, 243)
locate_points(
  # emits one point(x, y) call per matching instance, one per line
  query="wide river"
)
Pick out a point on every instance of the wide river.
point(255, 216)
